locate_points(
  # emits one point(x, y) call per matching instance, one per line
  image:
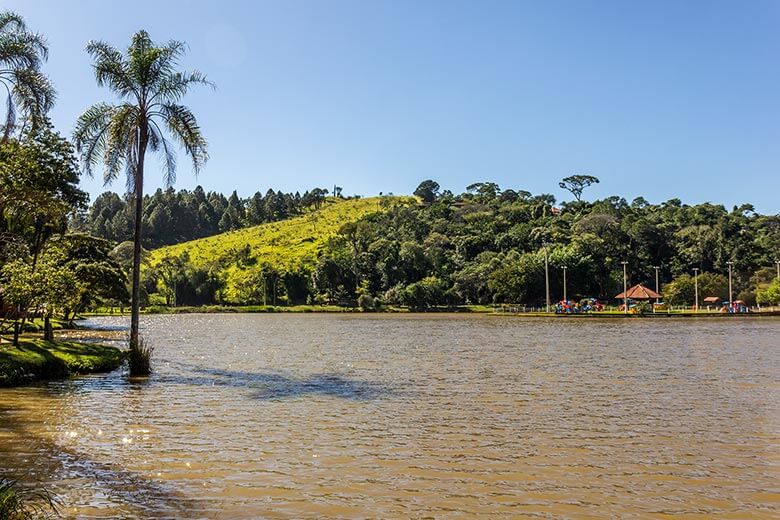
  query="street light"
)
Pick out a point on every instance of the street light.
point(625, 287)
point(696, 287)
point(731, 299)
point(656, 267)
point(546, 276)
point(564, 284)
point(777, 264)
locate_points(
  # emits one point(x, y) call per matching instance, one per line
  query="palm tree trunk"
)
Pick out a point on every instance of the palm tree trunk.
point(135, 303)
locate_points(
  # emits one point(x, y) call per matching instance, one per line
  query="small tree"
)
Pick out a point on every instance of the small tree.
point(428, 191)
point(769, 294)
point(575, 184)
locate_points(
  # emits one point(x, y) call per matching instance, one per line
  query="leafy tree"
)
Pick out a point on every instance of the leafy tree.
point(427, 190)
point(681, 290)
point(147, 81)
point(38, 188)
point(770, 293)
point(575, 184)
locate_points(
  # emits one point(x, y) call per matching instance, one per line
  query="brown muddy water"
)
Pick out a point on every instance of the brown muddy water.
point(420, 416)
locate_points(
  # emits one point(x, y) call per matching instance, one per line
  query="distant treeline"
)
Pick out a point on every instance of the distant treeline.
point(171, 216)
point(488, 245)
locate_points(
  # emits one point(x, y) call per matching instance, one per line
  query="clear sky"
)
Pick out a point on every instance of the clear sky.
point(658, 98)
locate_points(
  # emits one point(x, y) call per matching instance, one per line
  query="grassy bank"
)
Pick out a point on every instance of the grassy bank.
point(35, 359)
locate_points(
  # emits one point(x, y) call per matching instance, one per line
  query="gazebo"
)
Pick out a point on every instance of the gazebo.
point(638, 292)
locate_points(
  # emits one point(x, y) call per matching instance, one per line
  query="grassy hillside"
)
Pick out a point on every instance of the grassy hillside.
point(285, 244)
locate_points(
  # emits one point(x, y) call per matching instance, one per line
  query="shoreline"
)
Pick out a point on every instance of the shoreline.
point(460, 309)
point(36, 360)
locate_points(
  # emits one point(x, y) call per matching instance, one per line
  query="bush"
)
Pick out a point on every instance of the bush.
point(139, 358)
point(366, 302)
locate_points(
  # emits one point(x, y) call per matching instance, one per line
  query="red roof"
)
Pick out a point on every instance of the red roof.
point(639, 292)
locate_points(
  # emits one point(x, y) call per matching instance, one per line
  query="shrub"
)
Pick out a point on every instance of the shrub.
point(139, 358)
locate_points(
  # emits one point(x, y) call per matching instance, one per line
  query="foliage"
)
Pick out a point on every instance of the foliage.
point(139, 358)
point(770, 293)
point(21, 55)
point(682, 290)
point(428, 190)
point(38, 190)
point(241, 260)
point(171, 217)
point(21, 503)
point(576, 184)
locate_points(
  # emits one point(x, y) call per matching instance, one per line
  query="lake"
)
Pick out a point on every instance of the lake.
point(412, 416)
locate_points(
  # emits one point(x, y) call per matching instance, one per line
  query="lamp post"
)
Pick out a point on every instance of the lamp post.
point(564, 285)
point(777, 264)
point(696, 287)
point(546, 277)
point(731, 299)
point(625, 287)
point(656, 267)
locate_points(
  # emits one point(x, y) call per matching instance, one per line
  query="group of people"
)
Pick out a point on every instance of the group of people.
point(570, 307)
point(735, 307)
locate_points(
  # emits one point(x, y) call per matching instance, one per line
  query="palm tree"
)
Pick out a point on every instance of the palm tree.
point(150, 88)
point(27, 88)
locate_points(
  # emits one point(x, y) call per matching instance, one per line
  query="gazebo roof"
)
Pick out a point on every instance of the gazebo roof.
point(638, 292)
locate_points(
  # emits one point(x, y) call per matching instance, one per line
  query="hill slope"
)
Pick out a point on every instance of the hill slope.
point(286, 244)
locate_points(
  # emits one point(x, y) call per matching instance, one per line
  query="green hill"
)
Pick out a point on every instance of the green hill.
point(287, 244)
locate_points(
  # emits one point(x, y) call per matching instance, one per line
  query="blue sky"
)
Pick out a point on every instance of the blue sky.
point(662, 99)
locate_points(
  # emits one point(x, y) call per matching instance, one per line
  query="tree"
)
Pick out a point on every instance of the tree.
point(150, 87)
point(21, 55)
point(575, 184)
point(38, 187)
point(428, 190)
point(681, 290)
point(769, 293)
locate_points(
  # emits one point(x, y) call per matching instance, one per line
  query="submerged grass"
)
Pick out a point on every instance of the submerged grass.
point(18, 503)
point(139, 358)
point(36, 359)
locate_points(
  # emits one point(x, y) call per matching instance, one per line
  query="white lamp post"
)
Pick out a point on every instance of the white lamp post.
point(696, 287)
point(656, 267)
point(625, 287)
point(546, 277)
point(731, 298)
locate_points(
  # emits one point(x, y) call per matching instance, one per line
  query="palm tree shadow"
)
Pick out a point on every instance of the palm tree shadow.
point(275, 385)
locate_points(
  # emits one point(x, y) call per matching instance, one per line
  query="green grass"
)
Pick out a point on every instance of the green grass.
point(286, 244)
point(36, 359)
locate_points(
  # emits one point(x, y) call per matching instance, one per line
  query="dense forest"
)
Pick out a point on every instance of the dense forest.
point(487, 245)
point(170, 216)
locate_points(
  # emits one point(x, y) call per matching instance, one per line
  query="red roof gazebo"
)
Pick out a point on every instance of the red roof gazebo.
point(638, 292)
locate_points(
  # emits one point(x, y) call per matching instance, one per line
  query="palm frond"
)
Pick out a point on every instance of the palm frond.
point(111, 69)
point(89, 134)
point(169, 165)
point(121, 141)
point(183, 125)
point(173, 87)
point(34, 93)
point(10, 120)
point(10, 21)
